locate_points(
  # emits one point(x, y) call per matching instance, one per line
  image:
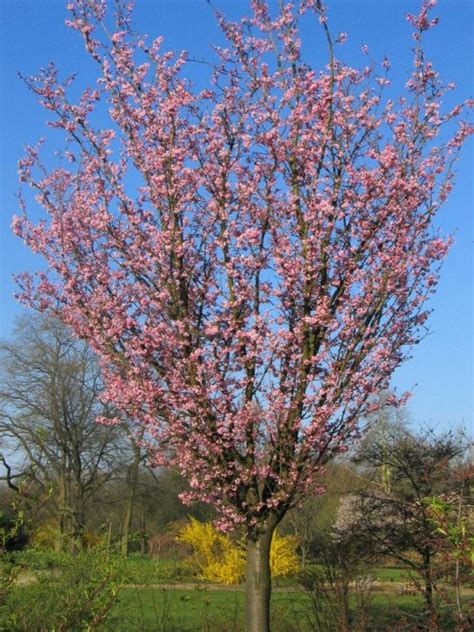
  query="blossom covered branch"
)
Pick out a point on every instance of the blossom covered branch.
point(252, 261)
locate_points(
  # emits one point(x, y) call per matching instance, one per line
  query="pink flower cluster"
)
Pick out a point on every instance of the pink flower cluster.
point(252, 262)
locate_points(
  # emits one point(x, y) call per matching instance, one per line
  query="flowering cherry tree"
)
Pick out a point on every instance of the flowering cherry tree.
point(251, 262)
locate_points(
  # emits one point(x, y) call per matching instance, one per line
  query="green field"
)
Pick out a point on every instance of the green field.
point(201, 609)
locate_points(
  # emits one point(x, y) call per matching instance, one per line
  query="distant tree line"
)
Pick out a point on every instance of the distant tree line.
point(76, 480)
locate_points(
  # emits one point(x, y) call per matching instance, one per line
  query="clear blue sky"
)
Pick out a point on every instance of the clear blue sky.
point(32, 33)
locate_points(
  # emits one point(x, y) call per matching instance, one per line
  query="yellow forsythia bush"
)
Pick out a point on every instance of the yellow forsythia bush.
point(219, 559)
point(283, 558)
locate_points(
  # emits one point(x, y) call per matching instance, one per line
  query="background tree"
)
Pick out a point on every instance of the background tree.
point(258, 288)
point(406, 471)
point(49, 401)
point(312, 520)
point(149, 500)
point(452, 514)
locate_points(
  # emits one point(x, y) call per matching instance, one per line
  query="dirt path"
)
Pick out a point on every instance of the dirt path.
point(379, 586)
point(26, 579)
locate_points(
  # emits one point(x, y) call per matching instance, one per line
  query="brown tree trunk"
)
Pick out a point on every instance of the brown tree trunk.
point(78, 541)
point(428, 576)
point(64, 514)
point(132, 482)
point(126, 524)
point(258, 581)
point(143, 538)
point(457, 567)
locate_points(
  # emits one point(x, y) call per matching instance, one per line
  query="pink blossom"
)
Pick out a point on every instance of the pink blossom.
point(251, 262)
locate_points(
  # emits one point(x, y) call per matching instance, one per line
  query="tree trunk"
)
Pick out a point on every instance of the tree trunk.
point(143, 537)
point(428, 575)
point(345, 606)
point(126, 524)
point(258, 582)
point(78, 541)
point(132, 482)
point(457, 567)
point(64, 516)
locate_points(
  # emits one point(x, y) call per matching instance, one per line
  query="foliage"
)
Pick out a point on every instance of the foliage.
point(454, 526)
point(283, 558)
point(36, 559)
point(318, 512)
point(221, 560)
point(11, 532)
point(78, 595)
point(214, 554)
point(46, 536)
point(404, 470)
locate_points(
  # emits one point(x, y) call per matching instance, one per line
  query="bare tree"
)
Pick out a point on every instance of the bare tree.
point(49, 402)
point(405, 470)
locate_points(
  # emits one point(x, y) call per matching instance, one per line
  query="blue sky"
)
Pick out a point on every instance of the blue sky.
point(32, 33)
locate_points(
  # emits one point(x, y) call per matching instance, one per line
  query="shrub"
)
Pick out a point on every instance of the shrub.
point(47, 537)
point(284, 560)
point(338, 585)
point(77, 595)
point(12, 537)
point(12, 531)
point(219, 559)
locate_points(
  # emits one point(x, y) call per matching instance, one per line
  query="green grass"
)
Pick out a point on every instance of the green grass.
point(382, 573)
point(144, 606)
point(201, 609)
point(205, 610)
point(148, 570)
point(390, 574)
point(139, 569)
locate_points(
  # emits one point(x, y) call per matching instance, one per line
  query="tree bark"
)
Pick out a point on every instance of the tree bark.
point(78, 542)
point(258, 581)
point(132, 482)
point(428, 574)
point(63, 514)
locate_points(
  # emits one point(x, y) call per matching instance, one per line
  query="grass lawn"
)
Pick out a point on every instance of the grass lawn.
point(173, 610)
point(390, 574)
point(164, 596)
point(202, 609)
point(149, 570)
point(206, 610)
